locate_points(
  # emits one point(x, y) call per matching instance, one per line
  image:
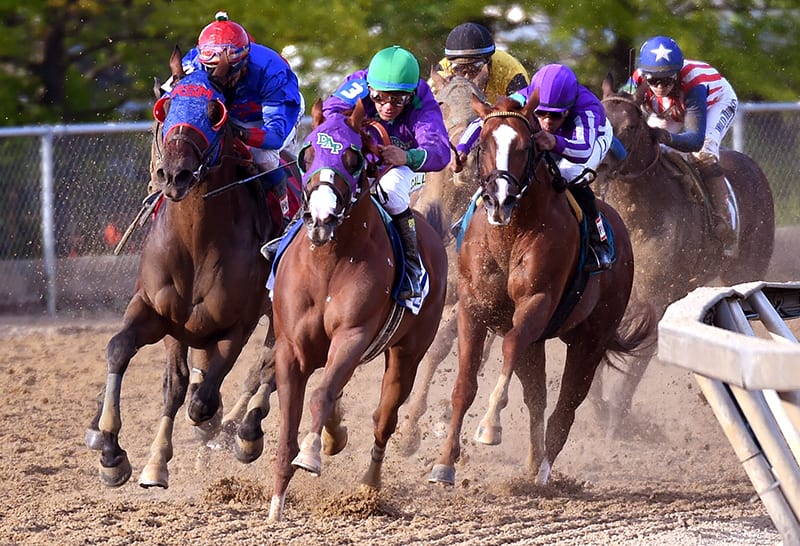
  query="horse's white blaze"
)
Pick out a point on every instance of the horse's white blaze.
point(322, 201)
point(503, 137)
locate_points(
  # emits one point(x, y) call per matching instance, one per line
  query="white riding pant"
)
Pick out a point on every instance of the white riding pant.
point(602, 145)
point(396, 185)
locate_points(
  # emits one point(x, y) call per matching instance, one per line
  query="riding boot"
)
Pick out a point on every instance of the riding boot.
point(598, 241)
point(270, 248)
point(714, 178)
point(406, 228)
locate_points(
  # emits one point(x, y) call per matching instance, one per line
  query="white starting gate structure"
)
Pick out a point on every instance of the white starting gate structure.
point(750, 375)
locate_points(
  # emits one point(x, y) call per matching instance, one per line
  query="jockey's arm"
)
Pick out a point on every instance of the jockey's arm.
point(691, 138)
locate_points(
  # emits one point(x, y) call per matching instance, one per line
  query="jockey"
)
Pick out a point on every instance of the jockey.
point(468, 48)
point(393, 94)
point(575, 127)
point(261, 90)
point(691, 107)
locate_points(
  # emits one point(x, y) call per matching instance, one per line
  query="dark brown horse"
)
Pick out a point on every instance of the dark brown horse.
point(201, 278)
point(333, 307)
point(518, 264)
point(669, 221)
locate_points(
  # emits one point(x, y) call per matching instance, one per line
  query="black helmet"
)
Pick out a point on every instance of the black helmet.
point(469, 40)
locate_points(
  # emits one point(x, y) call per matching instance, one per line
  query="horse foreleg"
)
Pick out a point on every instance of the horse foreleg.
point(334, 435)
point(115, 468)
point(409, 432)
point(532, 376)
point(471, 337)
point(176, 381)
point(250, 437)
point(291, 384)
point(582, 358)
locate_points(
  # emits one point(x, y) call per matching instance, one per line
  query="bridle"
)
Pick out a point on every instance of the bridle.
point(209, 158)
point(651, 166)
point(532, 160)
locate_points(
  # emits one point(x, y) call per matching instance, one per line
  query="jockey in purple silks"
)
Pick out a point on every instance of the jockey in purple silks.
point(394, 95)
point(261, 90)
point(574, 127)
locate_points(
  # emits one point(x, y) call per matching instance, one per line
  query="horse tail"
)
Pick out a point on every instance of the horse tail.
point(635, 336)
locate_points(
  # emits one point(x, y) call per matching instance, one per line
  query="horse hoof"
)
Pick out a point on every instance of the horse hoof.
point(207, 430)
point(490, 436)
point(309, 462)
point(154, 475)
point(409, 441)
point(93, 439)
point(443, 473)
point(543, 476)
point(247, 451)
point(115, 476)
point(334, 443)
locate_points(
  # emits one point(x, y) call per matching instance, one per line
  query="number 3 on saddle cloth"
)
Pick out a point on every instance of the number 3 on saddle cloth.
point(579, 277)
point(412, 304)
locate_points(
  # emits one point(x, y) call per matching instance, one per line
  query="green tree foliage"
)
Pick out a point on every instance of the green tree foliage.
point(94, 60)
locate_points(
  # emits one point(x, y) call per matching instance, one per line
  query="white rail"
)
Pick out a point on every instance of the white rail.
point(752, 383)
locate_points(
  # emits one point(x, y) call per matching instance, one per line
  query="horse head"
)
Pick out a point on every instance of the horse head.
point(627, 117)
point(192, 118)
point(507, 154)
point(332, 165)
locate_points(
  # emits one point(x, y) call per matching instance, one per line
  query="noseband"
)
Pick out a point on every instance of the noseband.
point(208, 157)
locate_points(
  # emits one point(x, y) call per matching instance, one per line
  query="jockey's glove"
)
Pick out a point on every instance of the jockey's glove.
point(660, 135)
point(240, 132)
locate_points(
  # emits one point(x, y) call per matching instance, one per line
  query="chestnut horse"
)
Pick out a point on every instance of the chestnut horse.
point(670, 226)
point(201, 277)
point(333, 306)
point(444, 196)
point(517, 266)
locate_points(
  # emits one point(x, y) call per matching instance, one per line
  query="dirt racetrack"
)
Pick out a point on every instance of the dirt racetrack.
point(672, 479)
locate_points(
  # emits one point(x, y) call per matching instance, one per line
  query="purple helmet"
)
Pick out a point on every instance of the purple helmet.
point(660, 56)
point(558, 88)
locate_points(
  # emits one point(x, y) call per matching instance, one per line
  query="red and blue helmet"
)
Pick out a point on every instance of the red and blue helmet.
point(661, 57)
point(220, 36)
point(558, 88)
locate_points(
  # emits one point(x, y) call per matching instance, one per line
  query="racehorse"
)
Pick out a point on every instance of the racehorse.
point(333, 306)
point(445, 197)
point(201, 278)
point(670, 224)
point(521, 276)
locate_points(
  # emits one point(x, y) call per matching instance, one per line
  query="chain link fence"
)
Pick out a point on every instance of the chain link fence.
point(67, 193)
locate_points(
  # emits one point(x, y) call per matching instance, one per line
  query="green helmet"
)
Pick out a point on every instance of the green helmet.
point(393, 69)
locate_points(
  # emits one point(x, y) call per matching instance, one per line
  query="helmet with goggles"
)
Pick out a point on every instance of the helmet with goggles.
point(558, 88)
point(660, 57)
point(220, 36)
point(393, 69)
point(469, 41)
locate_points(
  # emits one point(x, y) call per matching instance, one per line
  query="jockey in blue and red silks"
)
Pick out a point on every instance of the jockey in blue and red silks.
point(261, 91)
point(690, 108)
point(394, 95)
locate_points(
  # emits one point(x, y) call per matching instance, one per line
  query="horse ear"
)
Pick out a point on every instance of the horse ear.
point(480, 107)
point(217, 113)
point(160, 109)
point(638, 96)
point(317, 117)
point(357, 116)
point(437, 80)
point(532, 104)
point(608, 85)
point(175, 65)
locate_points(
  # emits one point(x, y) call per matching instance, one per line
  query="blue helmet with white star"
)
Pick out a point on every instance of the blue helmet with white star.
point(660, 56)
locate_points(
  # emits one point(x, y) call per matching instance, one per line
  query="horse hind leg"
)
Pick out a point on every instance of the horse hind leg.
point(176, 381)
